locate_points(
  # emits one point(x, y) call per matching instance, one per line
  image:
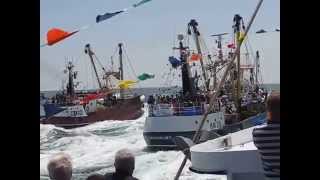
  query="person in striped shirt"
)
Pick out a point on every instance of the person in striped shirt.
point(267, 138)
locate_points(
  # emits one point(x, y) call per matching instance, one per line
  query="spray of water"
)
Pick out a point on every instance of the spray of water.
point(93, 147)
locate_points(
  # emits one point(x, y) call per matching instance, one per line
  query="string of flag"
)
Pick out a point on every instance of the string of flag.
point(56, 35)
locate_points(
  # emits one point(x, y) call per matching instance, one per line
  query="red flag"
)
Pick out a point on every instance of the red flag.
point(232, 46)
point(55, 35)
point(195, 57)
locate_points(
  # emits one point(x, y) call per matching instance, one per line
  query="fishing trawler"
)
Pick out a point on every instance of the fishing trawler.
point(180, 115)
point(71, 109)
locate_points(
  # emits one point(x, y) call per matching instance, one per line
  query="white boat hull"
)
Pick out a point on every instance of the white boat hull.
point(233, 154)
point(160, 131)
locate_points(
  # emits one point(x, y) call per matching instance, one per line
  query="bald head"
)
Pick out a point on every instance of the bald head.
point(124, 161)
point(60, 167)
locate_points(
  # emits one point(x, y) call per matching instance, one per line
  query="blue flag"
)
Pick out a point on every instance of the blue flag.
point(140, 3)
point(174, 62)
point(105, 16)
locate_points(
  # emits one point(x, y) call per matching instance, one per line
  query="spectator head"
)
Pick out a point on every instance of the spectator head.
point(124, 162)
point(60, 167)
point(273, 107)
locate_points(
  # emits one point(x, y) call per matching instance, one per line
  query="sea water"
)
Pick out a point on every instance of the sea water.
point(93, 147)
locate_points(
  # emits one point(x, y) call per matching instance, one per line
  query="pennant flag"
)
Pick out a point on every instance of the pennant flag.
point(261, 31)
point(140, 3)
point(145, 76)
point(105, 16)
point(195, 57)
point(231, 46)
point(241, 37)
point(55, 35)
point(126, 84)
point(174, 62)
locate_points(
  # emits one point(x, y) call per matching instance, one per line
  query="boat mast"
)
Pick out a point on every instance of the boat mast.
point(193, 23)
point(90, 53)
point(187, 80)
point(213, 97)
point(237, 20)
point(120, 67)
point(70, 85)
point(257, 66)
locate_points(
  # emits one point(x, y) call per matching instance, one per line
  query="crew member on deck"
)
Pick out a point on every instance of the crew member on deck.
point(267, 138)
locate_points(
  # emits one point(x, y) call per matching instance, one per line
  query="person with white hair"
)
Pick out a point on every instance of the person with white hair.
point(60, 167)
point(124, 165)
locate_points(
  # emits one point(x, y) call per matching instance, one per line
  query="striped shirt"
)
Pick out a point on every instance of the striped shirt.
point(267, 140)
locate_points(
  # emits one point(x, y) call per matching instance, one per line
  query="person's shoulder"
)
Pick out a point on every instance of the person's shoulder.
point(109, 176)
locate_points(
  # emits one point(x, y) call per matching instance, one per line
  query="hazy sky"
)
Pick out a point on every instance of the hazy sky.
point(148, 33)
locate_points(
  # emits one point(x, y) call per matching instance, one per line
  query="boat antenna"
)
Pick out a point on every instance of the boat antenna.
point(214, 95)
point(220, 57)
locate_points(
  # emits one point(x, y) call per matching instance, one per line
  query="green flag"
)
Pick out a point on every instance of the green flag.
point(145, 76)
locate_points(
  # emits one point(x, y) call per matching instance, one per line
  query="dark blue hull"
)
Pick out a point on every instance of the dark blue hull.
point(164, 139)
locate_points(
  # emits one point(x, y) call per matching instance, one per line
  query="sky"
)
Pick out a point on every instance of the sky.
point(148, 33)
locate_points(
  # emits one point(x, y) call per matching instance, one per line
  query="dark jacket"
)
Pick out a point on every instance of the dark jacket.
point(119, 176)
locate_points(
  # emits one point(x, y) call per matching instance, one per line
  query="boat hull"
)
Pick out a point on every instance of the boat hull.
point(226, 154)
point(128, 109)
point(160, 131)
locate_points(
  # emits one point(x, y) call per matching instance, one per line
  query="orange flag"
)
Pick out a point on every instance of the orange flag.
point(195, 57)
point(55, 35)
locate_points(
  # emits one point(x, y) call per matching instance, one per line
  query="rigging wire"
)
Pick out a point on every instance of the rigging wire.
point(132, 69)
point(99, 62)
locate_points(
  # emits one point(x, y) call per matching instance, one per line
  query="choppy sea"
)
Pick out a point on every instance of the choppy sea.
point(92, 149)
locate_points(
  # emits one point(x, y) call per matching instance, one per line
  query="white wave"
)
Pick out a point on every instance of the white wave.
point(92, 149)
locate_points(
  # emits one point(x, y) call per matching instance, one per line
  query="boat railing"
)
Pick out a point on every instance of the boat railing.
point(159, 110)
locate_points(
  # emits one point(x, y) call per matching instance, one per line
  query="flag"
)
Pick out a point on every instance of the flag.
point(241, 36)
point(231, 46)
point(125, 84)
point(195, 57)
point(174, 62)
point(140, 3)
point(145, 76)
point(55, 35)
point(261, 31)
point(105, 16)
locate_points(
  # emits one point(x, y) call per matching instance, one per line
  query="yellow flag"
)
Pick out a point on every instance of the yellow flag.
point(125, 84)
point(241, 36)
